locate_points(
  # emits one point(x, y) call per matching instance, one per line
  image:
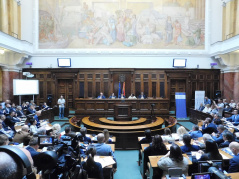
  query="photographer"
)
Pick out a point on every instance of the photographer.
point(32, 148)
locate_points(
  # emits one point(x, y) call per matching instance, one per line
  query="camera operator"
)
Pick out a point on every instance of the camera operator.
point(32, 148)
point(84, 138)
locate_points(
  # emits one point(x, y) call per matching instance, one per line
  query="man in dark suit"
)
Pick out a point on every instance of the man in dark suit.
point(11, 120)
point(234, 118)
point(187, 147)
point(209, 126)
point(219, 136)
point(37, 114)
point(85, 139)
point(7, 109)
point(31, 109)
point(32, 148)
point(69, 133)
point(201, 107)
point(142, 96)
point(101, 96)
point(5, 127)
point(2, 111)
point(112, 96)
point(234, 162)
point(23, 136)
point(195, 133)
point(227, 138)
point(19, 112)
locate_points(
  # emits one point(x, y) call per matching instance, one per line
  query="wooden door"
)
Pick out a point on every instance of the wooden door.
point(176, 86)
point(65, 88)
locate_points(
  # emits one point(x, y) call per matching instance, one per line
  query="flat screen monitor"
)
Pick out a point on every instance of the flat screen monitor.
point(25, 87)
point(64, 62)
point(45, 140)
point(177, 62)
point(201, 176)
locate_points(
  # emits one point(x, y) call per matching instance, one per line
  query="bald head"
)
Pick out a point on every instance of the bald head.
point(101, 138)
point(25, 128)
point(234, 147)
point(10, 169)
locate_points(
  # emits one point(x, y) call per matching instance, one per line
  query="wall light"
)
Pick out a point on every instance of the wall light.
point(1, 51)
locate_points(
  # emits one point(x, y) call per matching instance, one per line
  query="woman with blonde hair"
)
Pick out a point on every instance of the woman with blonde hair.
point(56, 131)
point(107, 136)
point(181, 131)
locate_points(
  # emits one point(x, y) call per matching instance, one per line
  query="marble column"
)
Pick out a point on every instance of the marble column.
point(228, 86)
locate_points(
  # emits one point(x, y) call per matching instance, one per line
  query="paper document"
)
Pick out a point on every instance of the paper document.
point(104, 161)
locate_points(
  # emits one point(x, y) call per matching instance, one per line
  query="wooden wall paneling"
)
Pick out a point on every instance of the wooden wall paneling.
point(97, 89)
point(90, 89)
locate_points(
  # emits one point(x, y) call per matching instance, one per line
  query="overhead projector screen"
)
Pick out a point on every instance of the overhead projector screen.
point(25, 87)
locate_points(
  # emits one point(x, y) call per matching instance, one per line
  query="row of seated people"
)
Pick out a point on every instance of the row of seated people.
point(211, 107)
point(21, 110)
point(122, 96)
point(94, 169)
point(208, 149)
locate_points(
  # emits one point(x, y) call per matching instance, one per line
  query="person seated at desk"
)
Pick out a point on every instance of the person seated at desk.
point(157, 147)
point(122, 96)
point(20, 112)
point(11, 120)
point(37, 114)
point(147, 139)
point(33, 127)
point(13, 107)
point(141, 96)
point(103, 149)
point(5, 127)
point(173, 159)
point(234, 118)
point(8, 133)
point(213, 110)
point(227, 108)
point(101, 96)
point(32, 148)
point(218, 137)
point(93, 169)
point(167, 137)
point(2, 111)
point(4, 140)
point(107, 136)
point(23, 136)
point(112, 96)
point(187, 144)
point(227, 138)
point(232, 104)
point(211, 151)
point(31, 109)
point(195, 133)
point(209, 126)
point(216, 120)
point(201, 107)
point(68, 132)
point(132, 96)
point(45, 106)
point(234, 162)
point(24, 106)
point(181, 131)
point(207, 109)
point(7, 109)
point(207, 101)
point(85, 139)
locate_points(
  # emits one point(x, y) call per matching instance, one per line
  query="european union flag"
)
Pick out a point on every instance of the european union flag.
point(119, 92)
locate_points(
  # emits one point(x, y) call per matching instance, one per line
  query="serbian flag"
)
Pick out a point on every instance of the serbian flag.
point(123, 91)
point(119, 91)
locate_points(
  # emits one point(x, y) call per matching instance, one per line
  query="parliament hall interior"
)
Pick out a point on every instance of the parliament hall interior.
point(119, 89)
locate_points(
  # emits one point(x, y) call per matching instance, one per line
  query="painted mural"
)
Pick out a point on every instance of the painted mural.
point(121, 24)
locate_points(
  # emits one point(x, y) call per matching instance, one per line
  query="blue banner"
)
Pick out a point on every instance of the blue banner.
point(180, 99)
point(119, 91)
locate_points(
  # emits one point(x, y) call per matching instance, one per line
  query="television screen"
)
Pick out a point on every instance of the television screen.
point(25, 87)
point(45, 140)
point(64, 62)
point(201, 176)
point(179, 62)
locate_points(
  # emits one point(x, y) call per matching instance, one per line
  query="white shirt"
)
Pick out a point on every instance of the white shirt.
point(206, 110)
point(220, 110)
point(61, 103)
point(132, 97)
point(33, 129)
point(232, 105)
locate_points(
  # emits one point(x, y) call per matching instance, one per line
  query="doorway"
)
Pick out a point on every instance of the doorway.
point(65, 88)
point(176, 86)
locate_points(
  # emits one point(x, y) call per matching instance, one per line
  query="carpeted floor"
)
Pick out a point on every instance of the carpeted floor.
point(127, 166)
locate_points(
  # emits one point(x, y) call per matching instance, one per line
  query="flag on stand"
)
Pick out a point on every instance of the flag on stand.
point(123, 91)
point(119, 91)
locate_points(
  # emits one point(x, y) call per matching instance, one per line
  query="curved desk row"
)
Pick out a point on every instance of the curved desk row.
point(122, 123)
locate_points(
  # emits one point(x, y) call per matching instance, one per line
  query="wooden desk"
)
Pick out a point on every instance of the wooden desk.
point(195, 115)
point(153, 160)
point(105, 107)
point(122, 123)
